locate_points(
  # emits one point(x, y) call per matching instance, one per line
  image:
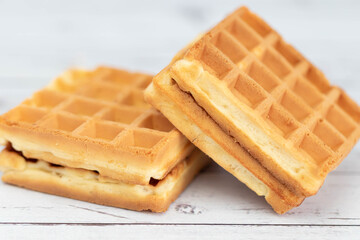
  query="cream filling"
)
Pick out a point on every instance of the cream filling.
point(208, 145)
point(90, 177)
point(28, 146)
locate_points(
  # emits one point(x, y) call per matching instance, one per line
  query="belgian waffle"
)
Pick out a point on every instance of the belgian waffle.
point(97, 120)
point(258, 108)
point(89, 135)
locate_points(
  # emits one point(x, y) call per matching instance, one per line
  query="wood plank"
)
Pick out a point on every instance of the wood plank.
point(24, 231)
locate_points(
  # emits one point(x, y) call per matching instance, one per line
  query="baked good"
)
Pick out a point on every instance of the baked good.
point(96, 120)
point(89, 135)
point(90, 186)
point(259, 108)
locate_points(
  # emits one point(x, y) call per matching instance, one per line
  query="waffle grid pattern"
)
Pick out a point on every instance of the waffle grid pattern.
point(276, 81)
point(107, 107)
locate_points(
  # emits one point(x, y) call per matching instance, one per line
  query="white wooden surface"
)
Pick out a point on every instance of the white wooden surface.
point(40, 39)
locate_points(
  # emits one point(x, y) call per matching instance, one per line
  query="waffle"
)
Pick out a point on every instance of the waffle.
point(259, 108)
point(88, 185)
point(96, 120)
point(90, 135)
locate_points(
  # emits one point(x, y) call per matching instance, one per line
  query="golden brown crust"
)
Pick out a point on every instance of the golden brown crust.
point(97, 120)
point(87, 186)
point(195, 124)
point(257, 90)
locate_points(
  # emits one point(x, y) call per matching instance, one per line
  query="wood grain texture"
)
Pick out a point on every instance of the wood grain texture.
point(40, 39)
point(178, 232)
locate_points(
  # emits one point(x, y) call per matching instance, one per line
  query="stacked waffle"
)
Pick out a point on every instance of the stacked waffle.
point(259, 109)
point(91, 136)
point(240, 93)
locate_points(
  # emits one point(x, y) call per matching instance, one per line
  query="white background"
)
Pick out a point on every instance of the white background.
point(41, 39)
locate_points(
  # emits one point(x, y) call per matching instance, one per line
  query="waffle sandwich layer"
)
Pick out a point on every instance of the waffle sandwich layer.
point(90, 186)
point(245, 92)
point(89, 135)
point(96, 120)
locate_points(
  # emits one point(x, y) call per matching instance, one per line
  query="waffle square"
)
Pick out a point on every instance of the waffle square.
point(90, 135)
point(97, 120)
point(260, 108)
